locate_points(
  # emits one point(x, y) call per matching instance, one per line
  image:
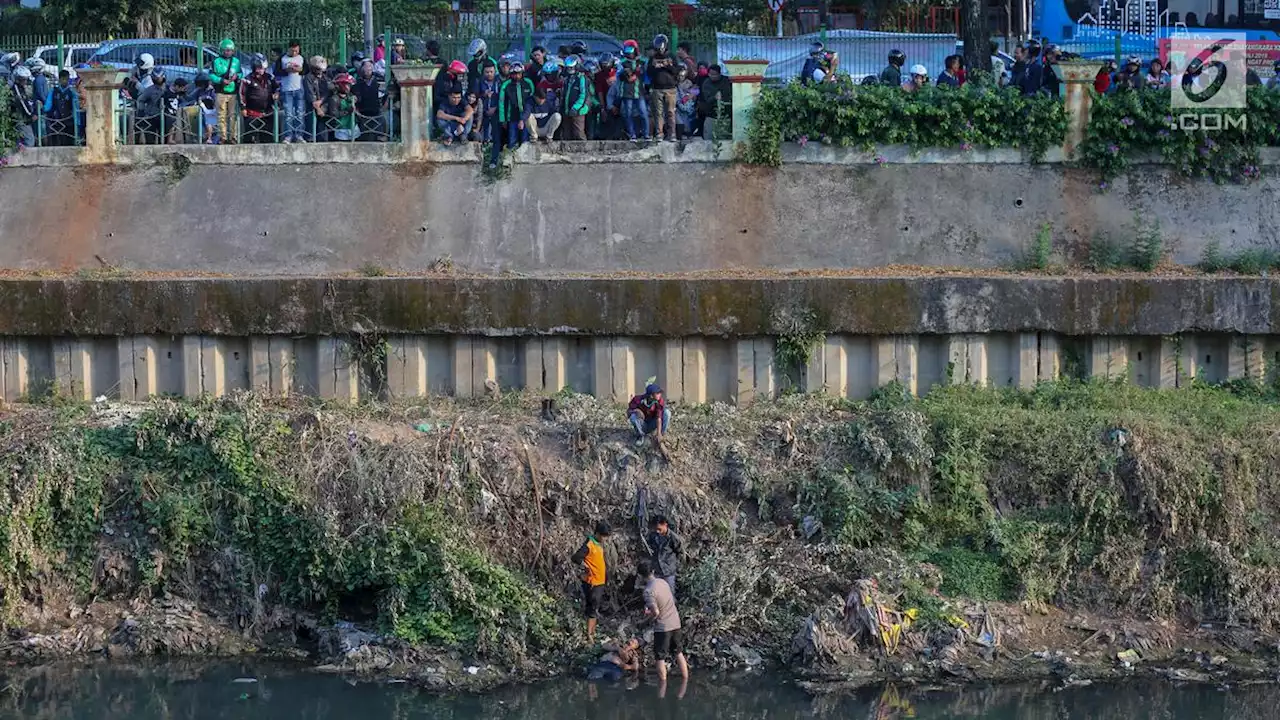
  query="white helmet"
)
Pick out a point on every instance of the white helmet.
point(146, 62)
point(21, 73)
point(36, 65)
point(10, 59)
point(919, 69)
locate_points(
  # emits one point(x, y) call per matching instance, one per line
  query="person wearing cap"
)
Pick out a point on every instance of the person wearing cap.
point(649, 414)
point(453, 78)
point(590, 557)
point(661, 72)
point(919, 78)
point(148, 127)
point(515, 102)
point(224, 73)
point(341, 113)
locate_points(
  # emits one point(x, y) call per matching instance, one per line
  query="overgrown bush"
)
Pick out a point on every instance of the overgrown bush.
point(1129, 125)
point(841, 114)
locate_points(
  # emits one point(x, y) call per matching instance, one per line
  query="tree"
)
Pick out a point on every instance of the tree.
point(976, 37)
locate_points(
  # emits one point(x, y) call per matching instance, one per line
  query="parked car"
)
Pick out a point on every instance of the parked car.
point(597, 42)
point(177, 58)
point(75, 54)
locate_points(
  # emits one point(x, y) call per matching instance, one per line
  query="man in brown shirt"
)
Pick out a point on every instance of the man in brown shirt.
point(660, 605)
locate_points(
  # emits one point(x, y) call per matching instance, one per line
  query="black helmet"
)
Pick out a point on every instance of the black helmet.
point(660, 42)
point(816, 49)
point(870, 80)
point(897, 57)
point(1033, 48)
point(357, 57)
point(607, 60)
point(259, 63)
point(578, 48)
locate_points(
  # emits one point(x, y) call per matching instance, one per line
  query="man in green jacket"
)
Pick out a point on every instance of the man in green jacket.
point(225, 76)
point(576, 101)
point(515, 103)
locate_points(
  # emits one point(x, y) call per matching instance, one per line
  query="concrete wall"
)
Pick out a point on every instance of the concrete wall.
point(602, 217)
point(693, 370)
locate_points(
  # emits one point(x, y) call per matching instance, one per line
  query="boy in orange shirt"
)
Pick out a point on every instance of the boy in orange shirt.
point(591, 557)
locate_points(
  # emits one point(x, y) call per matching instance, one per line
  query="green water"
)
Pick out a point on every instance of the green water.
point(196, 691)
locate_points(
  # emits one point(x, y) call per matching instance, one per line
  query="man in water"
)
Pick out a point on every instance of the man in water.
point(617, 660)
point(660, 604)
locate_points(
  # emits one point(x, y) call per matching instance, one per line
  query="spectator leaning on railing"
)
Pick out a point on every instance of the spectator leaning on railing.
point(292, 96)
point(225, 75)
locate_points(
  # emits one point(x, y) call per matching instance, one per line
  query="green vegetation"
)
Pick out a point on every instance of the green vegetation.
point(1126, 127)
point(844, 115)
point(1041, 251)
point(1251, 261)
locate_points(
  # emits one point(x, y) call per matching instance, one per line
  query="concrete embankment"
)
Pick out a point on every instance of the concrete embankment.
point(608, 216)
point(705, 339)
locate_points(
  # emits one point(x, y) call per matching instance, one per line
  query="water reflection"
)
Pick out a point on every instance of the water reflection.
point(205, 691)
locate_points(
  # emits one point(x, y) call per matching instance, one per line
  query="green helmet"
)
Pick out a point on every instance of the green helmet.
point(227, 44)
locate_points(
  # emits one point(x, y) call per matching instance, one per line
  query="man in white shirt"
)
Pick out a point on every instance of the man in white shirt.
point(291, 94)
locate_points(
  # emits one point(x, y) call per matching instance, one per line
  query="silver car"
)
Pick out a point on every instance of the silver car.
point(177, 58)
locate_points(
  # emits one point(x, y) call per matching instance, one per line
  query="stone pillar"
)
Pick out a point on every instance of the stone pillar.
point(1078, 77)
point(416, 85)
point(101, 93)
point(746, 76)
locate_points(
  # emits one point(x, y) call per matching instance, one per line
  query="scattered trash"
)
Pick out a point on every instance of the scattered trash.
point(472, 669)
point(423, 427)
point(868, 618)
point(1218, 660)
point(244, 696)
point(746, 656)
point(1128, 657)
point(262, 590)
point(100, 400)
point(245, 680)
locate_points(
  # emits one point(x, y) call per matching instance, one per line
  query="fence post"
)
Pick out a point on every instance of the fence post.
point(101, 88)
point(416, 84)
point(62, 51)
point(342, 43)
point(746, 77)
point(1119, 48)
point(200, 47)
point(528, 37)
point(1078, 76)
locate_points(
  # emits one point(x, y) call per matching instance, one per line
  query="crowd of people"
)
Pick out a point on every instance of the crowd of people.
point(576, 95)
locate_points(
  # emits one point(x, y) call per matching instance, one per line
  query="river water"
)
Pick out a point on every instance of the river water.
point(200, 691)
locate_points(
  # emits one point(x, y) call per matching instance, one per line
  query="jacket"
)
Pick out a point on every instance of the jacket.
point(22, 104)
point(515, 100)
point(256, 93)
point(648, 407)
point(662, 72)
point(224, 74)
point(342, 109)
point(891, 75)
point(62, 103)
point(591, 556)
point(665, 551)
point(576, 99)
point(602, 83)
point(446, 83)
point(316, 89)
point(707, 103)
point(475, 68)
point(946, 78)
point(150, 102)
point(368, 96)
point(1032, 78)
point(632, 89)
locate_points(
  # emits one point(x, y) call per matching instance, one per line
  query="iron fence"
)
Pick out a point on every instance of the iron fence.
point(195, 124)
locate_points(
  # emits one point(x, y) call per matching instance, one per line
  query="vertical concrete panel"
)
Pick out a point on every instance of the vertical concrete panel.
point(283, 365)
point(1244, 356)
point(533, 369)
point(1168, 364)
point(1256, 357)
point(16, 361)
point(1212, 355)
point(440, 367)
point(347, 372)
point(693, 371)
point(146, 366)
point(1001, 359)
point(62, 377)
point(745, 362)
point(1026, 361)
point(169, 365)
point(1108, 357)
point(1144, 361)
point(260, 364)
point(722, 369)
point(463, 387)
point(582, 364)
point(192, 366)
point(647, 360)
point(235, 353)
point(835, 366)
point(671, 372)
point(306, 366)
point(1189, 360)
point(555, 364)
point(508, 360)
point(766, 370)
point(625, 379)
point(884, 360)
point(73, 368)
point(979, 368)
point(407, 366)
point(126, 384)
point(862, 365)
point(958, 358)
point(1050, 357)
point(907, 359)
point(813, 374)
point(213, 366)
point(327, 349)
point(932, 362)
point(1271, 358)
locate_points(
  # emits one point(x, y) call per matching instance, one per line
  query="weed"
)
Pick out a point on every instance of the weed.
point(1148, 244)
point(1212, 259)
point(1254, 261)
point(371, 270)
point(797, 338)
point(1041, 248)
point(1104, 254)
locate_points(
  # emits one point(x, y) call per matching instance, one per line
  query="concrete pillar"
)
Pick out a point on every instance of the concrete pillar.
point(407, 366)
point(1108, 357)
point(1166, 364)
point(896, 357)
point(1244, 358)
point(1050, 357)
point(416, 87)
point(475, 360)
point(967, 357)
point(614, 369)
point(338, 368)
point(671, 369)
point(546, 364)
point(73, 368)
point(756, 371)
point(101, 88)
point(213, 366)
point(1026, 360)
point(693, 377)
point(192, 366)
point(139, 367)
point(260, 364)
point(1188, 359)
point(15, 369)
point(746, 77)
point(1078, 77)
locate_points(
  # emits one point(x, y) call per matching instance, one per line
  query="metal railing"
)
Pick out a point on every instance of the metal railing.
point(193, 125)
